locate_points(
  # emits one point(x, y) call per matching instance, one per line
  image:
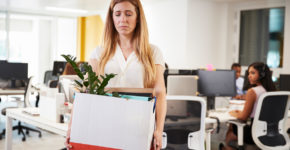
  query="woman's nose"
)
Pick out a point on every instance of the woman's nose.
point(123, 18)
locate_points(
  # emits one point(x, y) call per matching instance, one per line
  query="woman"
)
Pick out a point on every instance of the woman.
point(260, 78)
point(126, 52)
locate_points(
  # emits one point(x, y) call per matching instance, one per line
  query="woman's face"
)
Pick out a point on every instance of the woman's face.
point(125, 18)
point(253, 76)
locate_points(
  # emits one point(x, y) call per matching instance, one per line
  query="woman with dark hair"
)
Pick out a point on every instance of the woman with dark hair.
point(260, 78)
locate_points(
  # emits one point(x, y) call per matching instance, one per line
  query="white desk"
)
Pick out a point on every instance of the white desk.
point(58, 128)
point(224, 116)
point(12, 91)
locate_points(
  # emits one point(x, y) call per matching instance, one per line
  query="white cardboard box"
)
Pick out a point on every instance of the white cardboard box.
point(112, 123)
point(50, 103)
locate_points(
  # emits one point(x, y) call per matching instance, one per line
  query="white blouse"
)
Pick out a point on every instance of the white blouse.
point(129, 72)
point(259, 90)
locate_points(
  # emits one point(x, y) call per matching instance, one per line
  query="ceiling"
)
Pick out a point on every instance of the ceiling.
point(40, 6)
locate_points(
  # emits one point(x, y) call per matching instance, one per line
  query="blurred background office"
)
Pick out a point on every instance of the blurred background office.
point(191, 34)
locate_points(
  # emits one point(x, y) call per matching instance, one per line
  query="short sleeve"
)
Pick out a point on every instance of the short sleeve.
point(96, 54)
point(157, 56)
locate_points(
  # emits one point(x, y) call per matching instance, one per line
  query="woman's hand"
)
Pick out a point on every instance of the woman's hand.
point(157, 140)
point(66, 143)
point(235, 113)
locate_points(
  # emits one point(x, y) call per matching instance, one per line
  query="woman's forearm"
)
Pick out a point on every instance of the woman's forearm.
point(160, 111)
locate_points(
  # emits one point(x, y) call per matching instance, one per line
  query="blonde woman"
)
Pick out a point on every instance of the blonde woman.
point(126, 52)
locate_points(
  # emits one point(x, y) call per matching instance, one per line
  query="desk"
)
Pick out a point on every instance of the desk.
point(17, 113)
point(224, 116)
point(12, 91)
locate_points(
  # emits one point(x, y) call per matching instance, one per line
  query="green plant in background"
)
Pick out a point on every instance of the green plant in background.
point(90, 82)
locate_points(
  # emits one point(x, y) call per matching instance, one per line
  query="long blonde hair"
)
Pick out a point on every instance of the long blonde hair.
point(140, 39)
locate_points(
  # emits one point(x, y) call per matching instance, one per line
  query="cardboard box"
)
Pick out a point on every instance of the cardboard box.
point(103, 122)
point(50, 103)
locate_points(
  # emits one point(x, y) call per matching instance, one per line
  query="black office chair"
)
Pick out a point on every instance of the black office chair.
point(269, 124)
point(49, 77)
point(20, 127)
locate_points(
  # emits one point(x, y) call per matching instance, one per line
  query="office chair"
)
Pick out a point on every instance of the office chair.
point(269, 125)
point(20, 127)
point(182, 129)
point(48, 78)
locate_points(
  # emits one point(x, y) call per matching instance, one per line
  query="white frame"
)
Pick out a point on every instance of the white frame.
point(193, 143)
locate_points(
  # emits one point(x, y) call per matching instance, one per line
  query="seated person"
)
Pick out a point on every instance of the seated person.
point(239, 81)
point(69, 70)
point(261, 82)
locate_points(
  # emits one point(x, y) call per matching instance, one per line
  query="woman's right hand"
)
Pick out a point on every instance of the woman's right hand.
point(67, 140)
point(66, 143)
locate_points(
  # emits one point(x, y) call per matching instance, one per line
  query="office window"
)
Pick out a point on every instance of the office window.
point(22, 38)
point(46, 37)
point(3, 50)
point(262, 36)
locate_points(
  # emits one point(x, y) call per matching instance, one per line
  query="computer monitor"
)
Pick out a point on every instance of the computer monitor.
point(13, 72)
point(58, 68)
point(284, 83)
point(178, 72)
point(3, 61)
point(216, 83)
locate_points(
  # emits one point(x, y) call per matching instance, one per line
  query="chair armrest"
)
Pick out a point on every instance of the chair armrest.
point(240, 124)
point(164, 140)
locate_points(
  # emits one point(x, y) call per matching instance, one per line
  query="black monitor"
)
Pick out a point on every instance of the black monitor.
point(58, 68)
point(13, 71)
point(3, 61)
point(216, 83)
point(284, 83)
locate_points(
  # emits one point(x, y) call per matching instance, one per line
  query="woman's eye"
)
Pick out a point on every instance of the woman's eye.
point(117, 14)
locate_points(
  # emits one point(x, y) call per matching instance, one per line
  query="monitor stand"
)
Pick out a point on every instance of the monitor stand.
point(210, 102)
point(13, 84)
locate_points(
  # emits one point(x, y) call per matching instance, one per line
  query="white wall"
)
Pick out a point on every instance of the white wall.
point(206, 34)
point(44, 56)
point(167, 23)
point(190, 33)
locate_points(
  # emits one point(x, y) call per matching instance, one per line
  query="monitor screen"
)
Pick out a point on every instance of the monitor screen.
point(13, 71)
point(284, 82)
point(58, 67)
point(217, 83)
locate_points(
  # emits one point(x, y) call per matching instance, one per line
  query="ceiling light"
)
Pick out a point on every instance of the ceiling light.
point(66, 10)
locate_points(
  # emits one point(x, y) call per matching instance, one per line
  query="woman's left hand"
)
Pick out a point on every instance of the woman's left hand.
point(157, 140)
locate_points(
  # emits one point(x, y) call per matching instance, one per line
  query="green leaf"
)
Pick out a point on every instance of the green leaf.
point(92, 82)
point(71, 61)
point(78, 83)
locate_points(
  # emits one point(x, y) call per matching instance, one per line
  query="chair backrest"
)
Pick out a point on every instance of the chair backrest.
point(182, 85)
point(48, 76)
point(186, 127)
point(269, 125)
point(27, 92)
